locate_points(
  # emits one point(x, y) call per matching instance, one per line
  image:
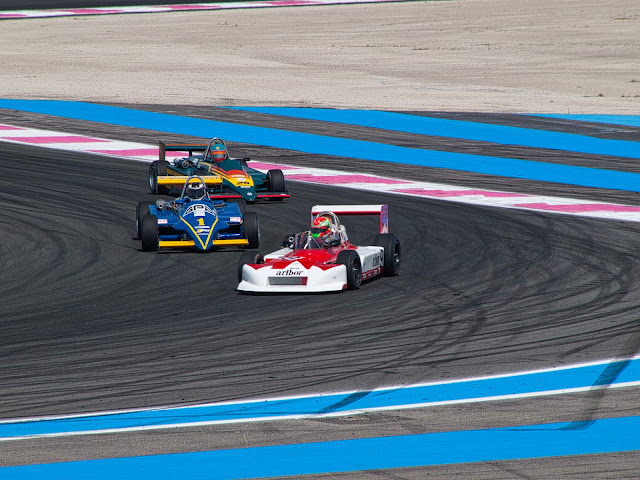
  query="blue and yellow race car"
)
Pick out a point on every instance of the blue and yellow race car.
point(194, 220)
point(224, 177)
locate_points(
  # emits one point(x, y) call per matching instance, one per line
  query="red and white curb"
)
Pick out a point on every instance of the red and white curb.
point(68, 12)
point(359, 181)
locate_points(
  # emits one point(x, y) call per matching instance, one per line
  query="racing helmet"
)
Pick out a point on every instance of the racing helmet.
point(321, 226)
point(195, 191)
point(218, 152)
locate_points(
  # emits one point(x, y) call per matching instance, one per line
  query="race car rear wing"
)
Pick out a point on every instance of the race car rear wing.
point(163, 148)
point(381, 210)
point(178, 147)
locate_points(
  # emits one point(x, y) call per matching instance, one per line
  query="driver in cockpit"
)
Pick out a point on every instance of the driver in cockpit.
point(195, 191)
point(217, 152)
point(324, 230)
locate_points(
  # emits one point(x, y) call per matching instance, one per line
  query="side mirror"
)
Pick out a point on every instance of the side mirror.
point(288, 241)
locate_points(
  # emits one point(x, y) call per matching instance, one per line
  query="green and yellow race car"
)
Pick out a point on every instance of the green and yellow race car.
point(224, 177)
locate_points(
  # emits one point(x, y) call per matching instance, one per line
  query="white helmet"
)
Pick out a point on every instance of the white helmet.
point(195, 191)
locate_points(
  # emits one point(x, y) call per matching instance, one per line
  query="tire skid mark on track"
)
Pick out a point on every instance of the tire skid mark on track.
point(493, 198)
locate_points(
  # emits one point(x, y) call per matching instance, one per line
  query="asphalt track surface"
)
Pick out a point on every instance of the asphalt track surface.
point(91, 323)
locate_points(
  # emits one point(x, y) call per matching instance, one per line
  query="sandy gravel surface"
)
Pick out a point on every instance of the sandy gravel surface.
point(548, 56)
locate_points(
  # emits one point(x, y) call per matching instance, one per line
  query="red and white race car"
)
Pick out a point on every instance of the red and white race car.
point(322, 259)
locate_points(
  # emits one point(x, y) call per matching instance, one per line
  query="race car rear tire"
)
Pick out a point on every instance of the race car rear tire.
point(157, 168)
point(242, 205)
point(149, 233)
point(275, 182)
point(391, 245)
point(351, 260)
point(251, 229)
point(142, 209)
point(248, 257)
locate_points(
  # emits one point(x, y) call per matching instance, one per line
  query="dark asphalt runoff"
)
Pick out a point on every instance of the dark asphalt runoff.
point(91, 323)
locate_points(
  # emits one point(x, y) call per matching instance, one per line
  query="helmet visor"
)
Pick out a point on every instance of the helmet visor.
point(318, 231)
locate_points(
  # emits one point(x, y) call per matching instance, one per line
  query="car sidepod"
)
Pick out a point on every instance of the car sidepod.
point(371, 260)
point(235, 178)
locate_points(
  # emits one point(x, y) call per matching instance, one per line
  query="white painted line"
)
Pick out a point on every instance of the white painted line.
point(573, 366)
point(344, 413)
point(238, 405)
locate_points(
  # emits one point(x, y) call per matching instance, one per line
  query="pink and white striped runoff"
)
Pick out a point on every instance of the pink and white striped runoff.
point(359, 181)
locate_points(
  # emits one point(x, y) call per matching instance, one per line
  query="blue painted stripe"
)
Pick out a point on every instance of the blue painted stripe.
point(608, 373)
point(482, 132)
point(523, 442)
point(626, 120)
point(317, 144)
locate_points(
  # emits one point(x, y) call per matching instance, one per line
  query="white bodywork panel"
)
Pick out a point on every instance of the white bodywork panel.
point(295, 278)
point(371, 258)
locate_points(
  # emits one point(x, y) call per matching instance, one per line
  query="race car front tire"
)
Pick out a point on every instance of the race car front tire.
point(251, 229)
point(157, 168)
point(149, 233)
point(142, 209)
point(248, 257)
point(391, 245)
point(351, 260)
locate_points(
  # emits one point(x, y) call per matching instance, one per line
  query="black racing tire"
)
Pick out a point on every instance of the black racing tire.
point(248, 257)
point(242, 205)
point(251, 229)
point(142, 209)
point(157, 168)
point(351, 260)
point(392, 253)
point(275, 183)
point(149, 233)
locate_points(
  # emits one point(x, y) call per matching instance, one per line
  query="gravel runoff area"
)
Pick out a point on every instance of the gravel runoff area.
point(547, 56)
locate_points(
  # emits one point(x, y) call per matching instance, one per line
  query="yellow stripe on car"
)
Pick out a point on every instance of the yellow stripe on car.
point(196, 233)
point(180, 179)
point(237, 180)
point(237, 241)
point(176, 243)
